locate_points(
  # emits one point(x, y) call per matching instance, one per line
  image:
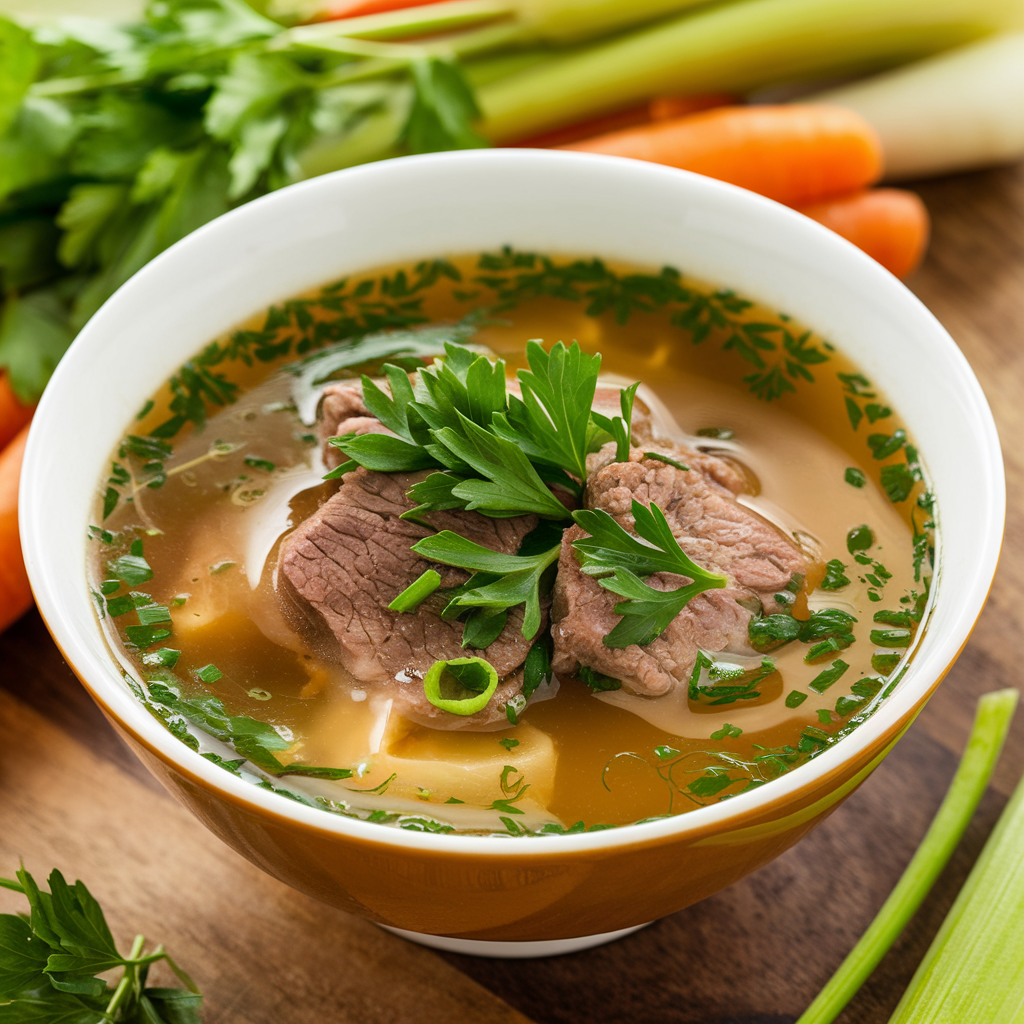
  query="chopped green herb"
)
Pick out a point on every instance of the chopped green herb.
point(110, 586)
point(508, 742)
point(154, 615)
point(772, 631)
point(665, 753)
point(835, 575)
point(596, 681)
point(823, 680)
point(146, 636)
point(829, 646)
point(884, 662)
point(537, 668)
point(132, 569)
point(891, 637)
point(165, 657)
point(795, 698)
point(727, 731)
point(897, 482)
point(499, 582)
point(658, 457)
point(855, 477)
point(414, 595)
point(710, 785)
point(884, 445)
point(719, 433)
point(209, 674)
point(824, 716)
point(891, 618)
point(719, 682)
point(860, 538)
point(257, 463)
point(217, 568)
point(453, 800)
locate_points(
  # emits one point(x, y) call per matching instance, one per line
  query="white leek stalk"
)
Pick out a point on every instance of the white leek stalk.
point(736, 47)
point(961, 110)
point(973, 972)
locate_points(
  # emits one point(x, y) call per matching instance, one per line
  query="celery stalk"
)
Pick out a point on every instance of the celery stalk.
point(995, 711)
point(566, 21)
point(735, 47)
point(973, 972)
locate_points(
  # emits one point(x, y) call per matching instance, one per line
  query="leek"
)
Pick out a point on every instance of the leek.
point(995, 711)
point(955, 112)
point(565, 21)
point(735, 47)
point(973, 972)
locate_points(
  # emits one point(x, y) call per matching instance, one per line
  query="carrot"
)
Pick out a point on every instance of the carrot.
point(661, 108)
point(665, 108)
point(586, 129)
point(359, 8)
point(796, 154)
point(889, 224)
point(13, 415)
point(15, 593)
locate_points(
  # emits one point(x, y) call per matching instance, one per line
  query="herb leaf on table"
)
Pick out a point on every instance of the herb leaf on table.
point(50, 959)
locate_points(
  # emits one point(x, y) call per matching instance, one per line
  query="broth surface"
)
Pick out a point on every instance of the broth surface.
point(809, 431)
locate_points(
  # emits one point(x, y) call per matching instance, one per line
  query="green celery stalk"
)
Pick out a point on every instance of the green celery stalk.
point(734, 47)
point(973, 972)
point(991, 723)
point(565, 21)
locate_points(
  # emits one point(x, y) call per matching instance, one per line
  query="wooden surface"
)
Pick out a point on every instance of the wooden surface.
point(72, 796)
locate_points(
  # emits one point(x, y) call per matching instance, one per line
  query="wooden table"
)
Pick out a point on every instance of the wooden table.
point(72, 796)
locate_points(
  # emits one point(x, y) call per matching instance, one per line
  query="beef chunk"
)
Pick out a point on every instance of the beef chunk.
point(353, 556)
point(342, 412)
point(714, 530)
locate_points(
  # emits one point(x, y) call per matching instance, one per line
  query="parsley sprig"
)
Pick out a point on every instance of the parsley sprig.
point(50, 959)
point(619, 559)
point(493, 452)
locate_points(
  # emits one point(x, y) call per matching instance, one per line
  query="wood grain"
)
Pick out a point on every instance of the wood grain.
point(260, 952)
point(754, 954)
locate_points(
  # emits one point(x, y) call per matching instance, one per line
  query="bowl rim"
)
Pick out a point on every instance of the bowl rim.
point(897, 710)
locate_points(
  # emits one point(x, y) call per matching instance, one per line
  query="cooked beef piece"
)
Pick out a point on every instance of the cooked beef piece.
point(353, 556)
point(342, 412)
point(714, 530)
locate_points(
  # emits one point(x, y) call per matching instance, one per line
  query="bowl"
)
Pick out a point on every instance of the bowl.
point(480, 894)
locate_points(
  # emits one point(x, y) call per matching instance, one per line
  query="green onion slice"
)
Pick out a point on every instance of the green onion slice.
point(462, 686)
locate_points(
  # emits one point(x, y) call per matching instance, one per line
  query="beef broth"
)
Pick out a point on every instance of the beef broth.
point(260, 586)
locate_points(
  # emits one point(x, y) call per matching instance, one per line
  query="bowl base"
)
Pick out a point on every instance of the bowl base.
point(513, 950)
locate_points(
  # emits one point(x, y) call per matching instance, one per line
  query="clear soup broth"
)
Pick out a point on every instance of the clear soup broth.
point(225, 462)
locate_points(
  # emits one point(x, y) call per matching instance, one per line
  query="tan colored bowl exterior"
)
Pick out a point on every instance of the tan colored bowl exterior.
point(484, 887)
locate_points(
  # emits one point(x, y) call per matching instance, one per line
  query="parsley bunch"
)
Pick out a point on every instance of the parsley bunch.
point(493, 452)
point(118, 140)
point(50, 959)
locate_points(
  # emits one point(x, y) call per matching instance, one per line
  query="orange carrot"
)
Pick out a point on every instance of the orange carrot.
point(13, 415)
point(661, 108)
point(15, 593)
point(586, 129)
point(889, 224)
point(665, 108)
point(796, 153)
point(359, 8)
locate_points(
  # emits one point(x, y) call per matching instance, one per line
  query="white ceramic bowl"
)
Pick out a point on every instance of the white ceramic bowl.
point(443, 204)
